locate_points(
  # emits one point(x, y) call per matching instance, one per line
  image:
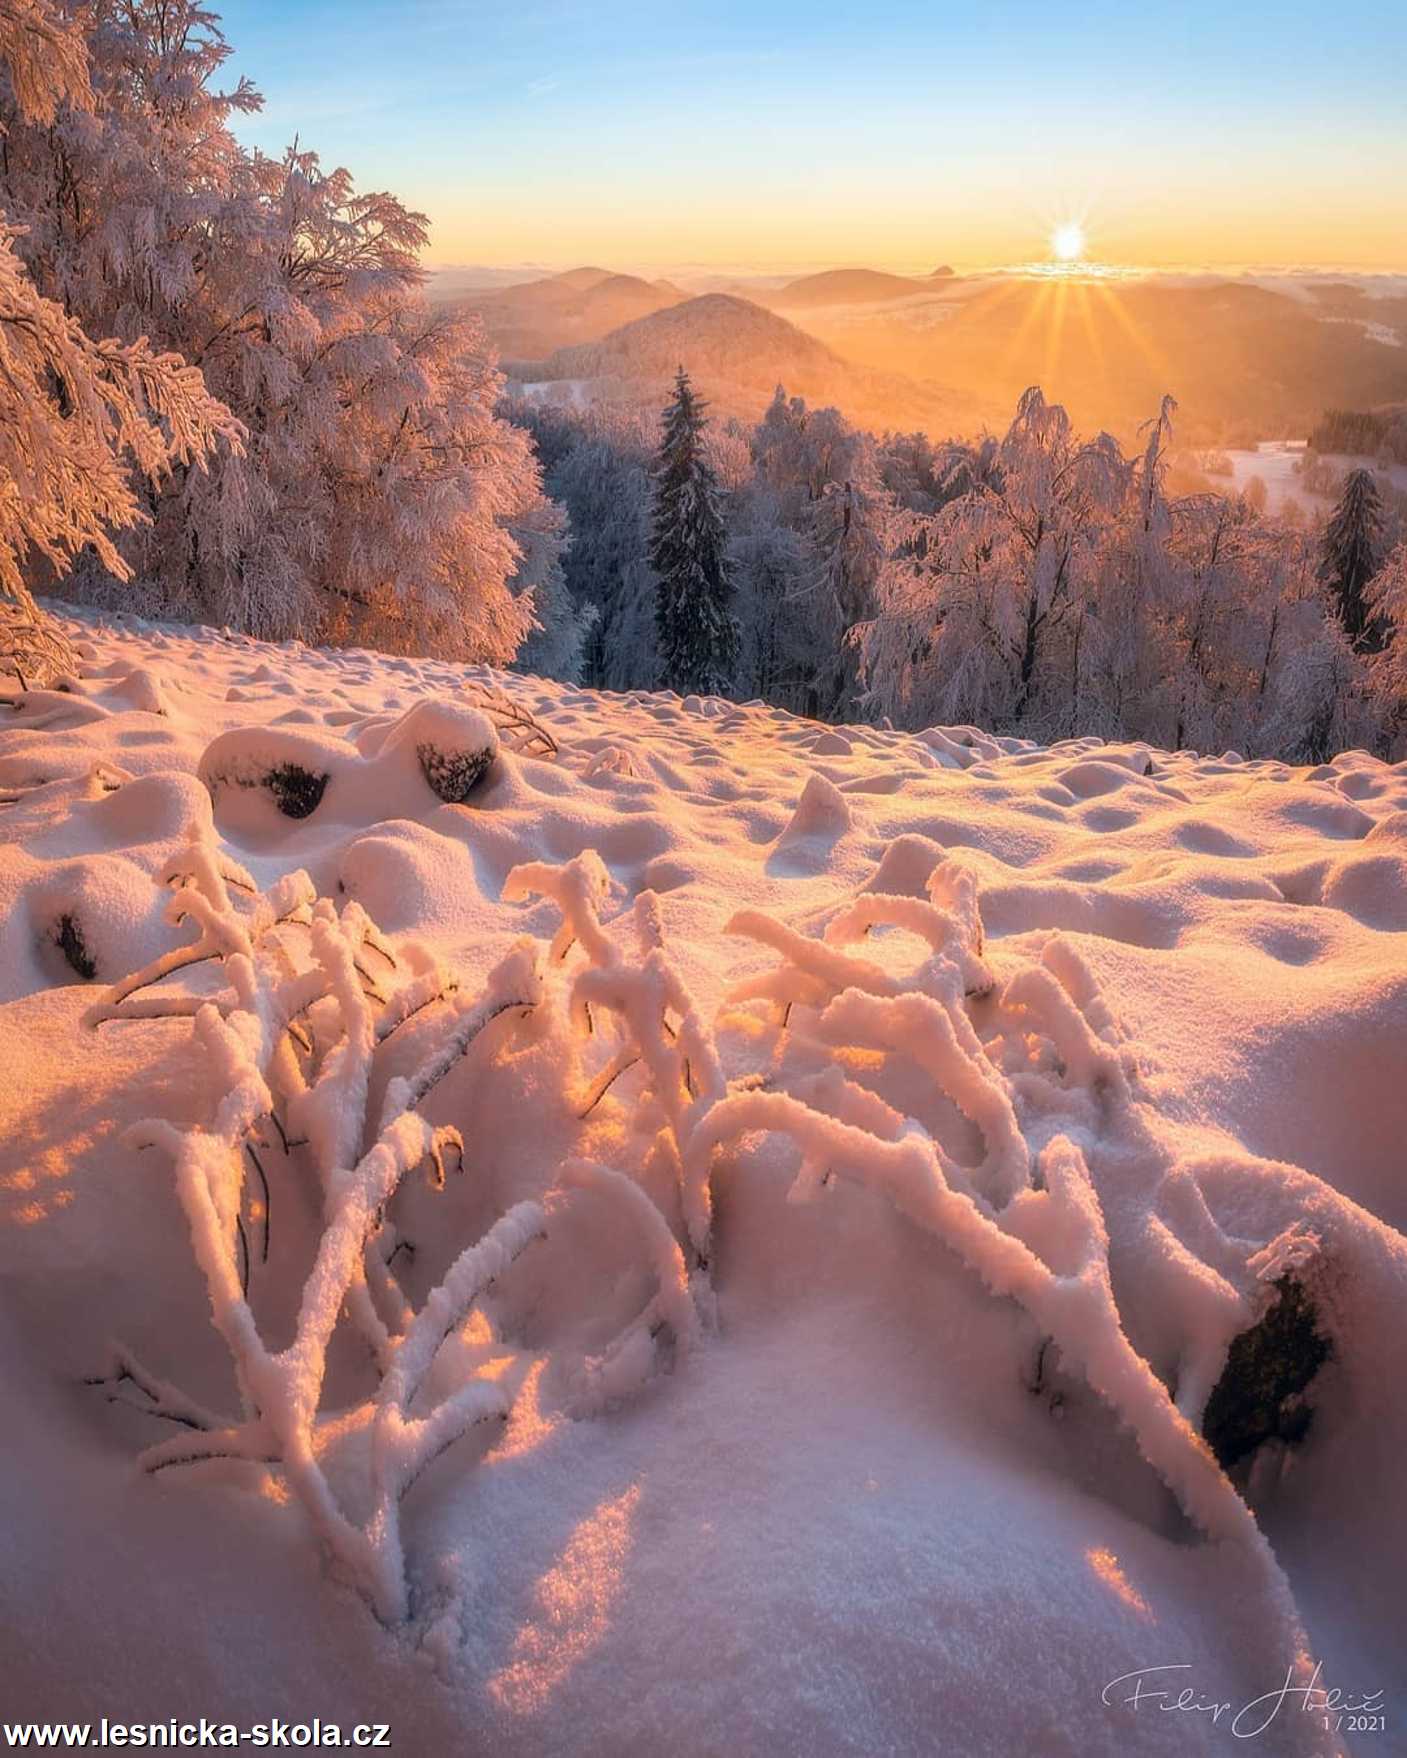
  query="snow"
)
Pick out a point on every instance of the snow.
point(718, 1235)
point(1278, 464)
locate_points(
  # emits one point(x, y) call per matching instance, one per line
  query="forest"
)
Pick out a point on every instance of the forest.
point(229, 401)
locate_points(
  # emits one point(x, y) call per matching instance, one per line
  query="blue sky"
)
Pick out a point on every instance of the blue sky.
point(787, 135)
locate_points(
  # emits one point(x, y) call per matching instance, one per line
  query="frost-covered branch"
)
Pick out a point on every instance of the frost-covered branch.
point(670, 1319)
point(659, 1026)
point(324, 1085)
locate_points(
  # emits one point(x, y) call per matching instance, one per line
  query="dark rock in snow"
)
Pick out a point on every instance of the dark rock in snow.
point(68, 937)
point(1260, 1395)
point(455, 746)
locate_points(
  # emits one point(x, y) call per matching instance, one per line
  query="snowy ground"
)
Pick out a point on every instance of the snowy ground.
point(834, 1415)
point(1277, 463)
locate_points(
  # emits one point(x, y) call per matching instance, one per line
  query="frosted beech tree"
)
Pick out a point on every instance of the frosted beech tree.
point(773, 568)
point(377, 494)
point(1063, 592)
point(78, 418)
point(819, 474)
point(1387, 603)
point(556, 646)
point(596, 463)
point(971, 628)
point(697, 633)
point(799, 453)
point(44, 59)
point(854, 529)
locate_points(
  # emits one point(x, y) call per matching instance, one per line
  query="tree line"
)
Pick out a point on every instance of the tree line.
point(224, 398)
point(1039, 582)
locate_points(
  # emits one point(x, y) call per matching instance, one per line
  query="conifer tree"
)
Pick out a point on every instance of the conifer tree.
point(698, 637)
point(1352, 543)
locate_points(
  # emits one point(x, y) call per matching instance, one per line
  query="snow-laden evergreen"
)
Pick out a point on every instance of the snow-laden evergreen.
point(694, 622)
point(1353, 551)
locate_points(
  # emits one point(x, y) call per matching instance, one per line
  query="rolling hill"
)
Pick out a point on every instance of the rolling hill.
point(582, 305)
point(1246, 358)
point(738, 352)
point(848, 287)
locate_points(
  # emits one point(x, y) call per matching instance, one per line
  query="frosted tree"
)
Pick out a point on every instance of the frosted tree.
point(377, 494)
point(698, 637)
point(78, 418)
point(819, 474)
point(596, 463)
point(1352, 552)
point(1387, 604)
point(977, 625)
point(923, 476)
point(854, 535)
point(799, 453)
point(44, 58)
point(773, 567)
point(1056, 494)
point(556, 645)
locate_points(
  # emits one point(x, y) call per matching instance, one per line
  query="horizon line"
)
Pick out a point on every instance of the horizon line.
point(967, 271)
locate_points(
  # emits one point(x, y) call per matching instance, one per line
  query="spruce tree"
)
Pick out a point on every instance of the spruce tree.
point(1351, 553)
point(698, 637)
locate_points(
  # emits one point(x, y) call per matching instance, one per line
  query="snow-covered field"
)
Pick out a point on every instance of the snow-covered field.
point(1278, 462)
point(880, 1140)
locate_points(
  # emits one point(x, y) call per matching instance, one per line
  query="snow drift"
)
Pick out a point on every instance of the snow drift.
point(582, 1223)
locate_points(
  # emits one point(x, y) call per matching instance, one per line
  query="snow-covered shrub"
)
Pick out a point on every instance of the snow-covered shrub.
point(1015, 1053)
point(974, 1086)
point(517, 729)
point(291, 1042)
point(291, 1028)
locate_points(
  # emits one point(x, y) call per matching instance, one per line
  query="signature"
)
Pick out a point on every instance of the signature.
point(1251, 1718)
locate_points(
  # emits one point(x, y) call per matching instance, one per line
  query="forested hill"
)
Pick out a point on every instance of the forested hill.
point(738, 353)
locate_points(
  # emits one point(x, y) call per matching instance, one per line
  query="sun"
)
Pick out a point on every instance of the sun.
point(1067, 242)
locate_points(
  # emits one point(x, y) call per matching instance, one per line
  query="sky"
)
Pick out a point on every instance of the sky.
point(784, 135)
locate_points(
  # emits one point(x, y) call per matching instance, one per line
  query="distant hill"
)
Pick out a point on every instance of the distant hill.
point(449, 285)
point(582, 280)
point(847, 287)
point(1245, 361)
point(582, 305)
point(738, 352)
point(717, 332)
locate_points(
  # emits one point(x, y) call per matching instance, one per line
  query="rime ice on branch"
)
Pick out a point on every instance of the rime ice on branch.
point(297, 1028)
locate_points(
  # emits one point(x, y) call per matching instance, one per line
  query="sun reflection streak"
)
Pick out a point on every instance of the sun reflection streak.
point(1107, 1568)
point(574, 1599)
